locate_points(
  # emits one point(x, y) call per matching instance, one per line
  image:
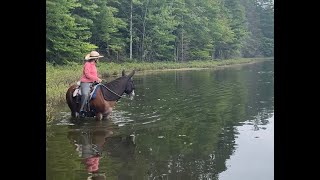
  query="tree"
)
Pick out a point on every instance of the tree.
point(66, 40)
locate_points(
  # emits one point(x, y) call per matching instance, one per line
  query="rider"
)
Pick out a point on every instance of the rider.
point(89, 75)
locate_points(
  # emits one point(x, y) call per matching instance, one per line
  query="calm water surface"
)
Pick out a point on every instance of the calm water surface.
point(197, 124)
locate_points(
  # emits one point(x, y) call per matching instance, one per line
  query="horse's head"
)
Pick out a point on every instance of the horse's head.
point(130, 84)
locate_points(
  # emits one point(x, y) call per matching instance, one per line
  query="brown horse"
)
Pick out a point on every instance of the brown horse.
point(104, 98)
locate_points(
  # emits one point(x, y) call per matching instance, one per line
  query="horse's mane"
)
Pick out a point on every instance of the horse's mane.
point(117, 86)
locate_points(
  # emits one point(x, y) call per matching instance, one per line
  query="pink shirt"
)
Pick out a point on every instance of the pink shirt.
point(89, 73)
point(92, 164)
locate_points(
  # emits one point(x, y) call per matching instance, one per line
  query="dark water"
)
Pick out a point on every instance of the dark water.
point(199, 124)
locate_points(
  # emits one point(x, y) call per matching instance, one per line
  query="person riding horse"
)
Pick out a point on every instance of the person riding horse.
point(103, 97)
point(89, 76)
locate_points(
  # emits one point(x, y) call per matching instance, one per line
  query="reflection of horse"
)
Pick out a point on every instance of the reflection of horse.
point(96, 140)
point(104, 97)
point(89, 143)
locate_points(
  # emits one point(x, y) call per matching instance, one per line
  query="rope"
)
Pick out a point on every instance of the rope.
point(111, 90)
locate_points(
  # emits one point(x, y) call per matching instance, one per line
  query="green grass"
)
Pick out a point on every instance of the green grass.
point(59, 78)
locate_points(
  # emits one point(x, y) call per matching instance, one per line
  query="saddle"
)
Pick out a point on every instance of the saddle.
point(77, 91)
point(90, 112)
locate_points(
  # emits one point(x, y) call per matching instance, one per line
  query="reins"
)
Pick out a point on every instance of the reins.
point(112, 91)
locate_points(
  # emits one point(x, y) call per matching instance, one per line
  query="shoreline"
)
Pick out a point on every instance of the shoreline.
point(190, 69)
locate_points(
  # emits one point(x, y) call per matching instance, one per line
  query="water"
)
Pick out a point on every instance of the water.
point(198, 124)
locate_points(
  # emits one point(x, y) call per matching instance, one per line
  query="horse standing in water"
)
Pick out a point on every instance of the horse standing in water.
point(103, 98)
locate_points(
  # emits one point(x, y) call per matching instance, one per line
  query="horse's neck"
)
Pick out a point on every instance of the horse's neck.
point(113, 90)
point(117, 86)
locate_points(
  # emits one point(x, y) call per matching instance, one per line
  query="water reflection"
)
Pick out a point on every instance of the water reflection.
point(89, 143)
point(96, 142)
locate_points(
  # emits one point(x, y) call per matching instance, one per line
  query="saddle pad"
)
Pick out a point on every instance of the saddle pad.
point(93, 94)
point(76, 92)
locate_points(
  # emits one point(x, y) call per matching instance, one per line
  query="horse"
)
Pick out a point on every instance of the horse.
point(103, 97)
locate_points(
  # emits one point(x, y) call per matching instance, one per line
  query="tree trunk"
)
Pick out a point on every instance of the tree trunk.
point(182, 56)
point(130, 30)
point(144, 32)
point(117, 56)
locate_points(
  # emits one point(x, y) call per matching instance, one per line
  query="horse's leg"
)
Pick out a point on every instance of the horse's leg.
point(76, 114)
point(106, 116)
point(72, 101)
point(99, 116)
point(73, 114)
point(107, 113)
point(73, 108)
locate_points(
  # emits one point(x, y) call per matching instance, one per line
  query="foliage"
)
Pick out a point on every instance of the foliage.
point(162, 30)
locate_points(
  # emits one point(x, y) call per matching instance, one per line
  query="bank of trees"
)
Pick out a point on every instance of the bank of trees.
point(158, 30)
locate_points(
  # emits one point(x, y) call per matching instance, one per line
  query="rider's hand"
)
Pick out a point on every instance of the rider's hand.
point(99, 80)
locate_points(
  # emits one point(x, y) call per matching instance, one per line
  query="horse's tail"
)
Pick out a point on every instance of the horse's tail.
point(71, 100)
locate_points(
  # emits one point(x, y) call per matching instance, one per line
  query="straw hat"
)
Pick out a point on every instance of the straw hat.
point(92, 55)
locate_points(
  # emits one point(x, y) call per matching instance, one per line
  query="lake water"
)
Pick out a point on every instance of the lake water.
point(181, 125)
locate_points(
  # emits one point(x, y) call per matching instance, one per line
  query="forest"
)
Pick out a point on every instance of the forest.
point(158, 30)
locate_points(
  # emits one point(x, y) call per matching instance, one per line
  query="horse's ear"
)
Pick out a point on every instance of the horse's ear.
point(123, 73)
point(132, 73)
